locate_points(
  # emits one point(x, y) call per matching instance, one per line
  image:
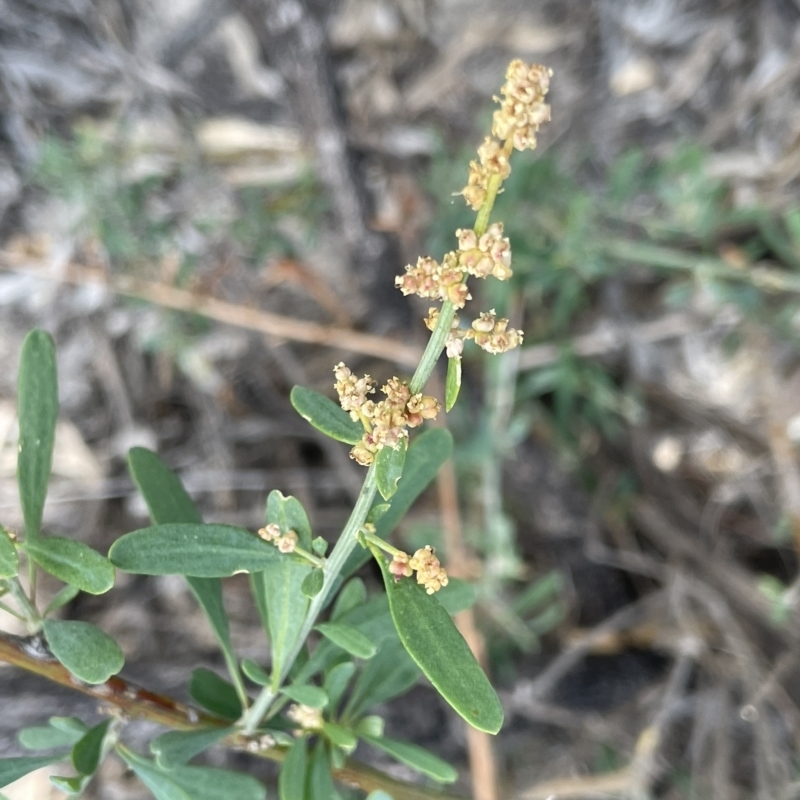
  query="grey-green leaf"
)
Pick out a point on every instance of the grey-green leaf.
point(348, 638)
point(88, 751)
point(354, 593)
point(255, 673)
point(9, 560)
point(86, 651)
point(452, 384)
point(64, 595)
point(12, 769)
point(46, 737)
point(167, 502)
point(457, 596)
point(292, 780)
point(73, 562)
point(158, 782)
point(306, 695)
point(215, 694)
point(312, 583)
point(37, 401)
point(336, 681)
point(209, 783)
point(203, 551)
point(72, 786)
point(415, 757)
point(320, 782)
point(325, 415)
point(289, 515)
point(389, 468)
point(433, 641)
point(176, 748)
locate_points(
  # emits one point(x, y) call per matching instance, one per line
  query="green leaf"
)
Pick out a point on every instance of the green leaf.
point(215, 694)
point(159, 783)
point(64, 595)
point(289, 515)
point(73, 562)
point(73, 786)
point(371, 726)
point(339, 736)
point(46, 737)
point(69, 725)
point(88, 751)
point(255, 673)
point(37, 401)
point(336, 681)
point(168, 502)
point(319, 546)
point(12, 769)
point(389, 467)
point(9, 560)
point(176, 748)
point(208, 783)
point(415, 757)
point(353, 594)
point(452, 383)
point(391, 673)
point(433, 641)
point(377, 511)
point(325, 415)
point(86, 651)
point(292, 779)
point(312, 583)
point(348, 638)
point(457, 596)
point(203, 551)
point(306, 695)
point(320, 781)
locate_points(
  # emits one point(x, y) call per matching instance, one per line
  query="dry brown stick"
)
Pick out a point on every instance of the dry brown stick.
point(29, 654)
point(221, 311)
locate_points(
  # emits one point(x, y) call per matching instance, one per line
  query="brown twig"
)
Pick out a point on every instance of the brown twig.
point(30, 655)
point(219, 310)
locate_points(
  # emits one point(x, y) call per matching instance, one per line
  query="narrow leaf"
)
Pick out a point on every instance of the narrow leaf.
point(325, 415)
point(37, 401)
point(336, 682)
point(12, 769)
point(353, 594)
point(159, 783)
point(339, 736)
point(88, 751)
point(453, 382)
point(209, 783)
point(86, 651)
point(292, 780)
point(72, 562)
point(389, 468)
point(306, 695)
point(46, 737)
point(320, 782)
point(255, 673)
point(167, 502)
point(176, 748)
point(72, 786)
point(65, 595)
point(312, 583)
point(433, 641)
point(348, 638)
point(416, 757)
point(9, 560)
point(203, 551)
point(215, 694)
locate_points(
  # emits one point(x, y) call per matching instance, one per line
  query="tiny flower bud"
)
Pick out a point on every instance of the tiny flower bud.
point(287, 542)
point(309, 719)
point(270, 533)
point(399, 566)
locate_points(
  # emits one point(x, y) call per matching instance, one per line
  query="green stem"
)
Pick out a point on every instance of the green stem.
point(31, 615)
point(331, 570)
point(373, 538)
point(11, 611)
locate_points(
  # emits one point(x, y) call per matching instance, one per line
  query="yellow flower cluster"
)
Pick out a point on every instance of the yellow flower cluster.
point(385, 422)
point(285, 542)
point(488, 332)
point(309, 719)
point(516, 123)
point(430, 573)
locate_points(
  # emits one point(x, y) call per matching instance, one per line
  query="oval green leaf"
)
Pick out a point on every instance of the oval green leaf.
point(312, 583)
point(389, 468)
point(320, 782)
point(176, 748)
point(306, 695)
point(325, 415)
point(86, 651)
point(453, 382)
point(88, 751)
point(348, 638)
point(415, 757)
point(255, 673)
point(12, 769)
point(37, 401)
point(289, 515)
point(203, 551)
point(215, 694)
point(336, 682)
point(340, 736)
point(156, 780)
point(74, 563)
point(46, 737)
point(433, 641)
point(9, 560)
point(354, 593)
point(292, 780)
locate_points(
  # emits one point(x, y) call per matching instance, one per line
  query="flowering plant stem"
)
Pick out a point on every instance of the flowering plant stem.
point(349, 537)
